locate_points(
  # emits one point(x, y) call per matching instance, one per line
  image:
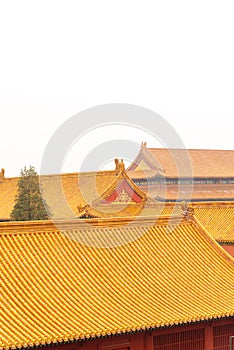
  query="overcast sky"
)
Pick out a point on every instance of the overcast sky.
point(61, 57)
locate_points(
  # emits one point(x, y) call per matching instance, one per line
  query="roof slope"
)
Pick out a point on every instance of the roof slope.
point(176, 163)
point(218, 219)
point(63, 193)
point(8, 192)
point(98, 280)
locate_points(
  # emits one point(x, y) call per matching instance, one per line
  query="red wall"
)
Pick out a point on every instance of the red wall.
point(229, 248)
point(203, 336)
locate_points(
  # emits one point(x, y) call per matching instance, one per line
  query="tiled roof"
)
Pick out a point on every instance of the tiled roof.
point(63, 193)
point(8, 191)
point(67, 194)
point(175, 163)
point(217, 218)
point(86, 281)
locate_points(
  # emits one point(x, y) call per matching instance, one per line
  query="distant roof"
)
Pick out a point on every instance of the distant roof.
point(175, 163)
point(80, 282)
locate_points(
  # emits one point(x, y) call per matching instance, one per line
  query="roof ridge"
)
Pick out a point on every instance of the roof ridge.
point(98, 172)
point(190, 149)
point(33, 227)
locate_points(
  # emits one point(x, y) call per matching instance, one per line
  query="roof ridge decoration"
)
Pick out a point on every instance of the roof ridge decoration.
point(119, 166)
point(2, 174)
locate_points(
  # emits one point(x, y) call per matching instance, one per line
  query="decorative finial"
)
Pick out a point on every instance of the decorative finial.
point(2, 173)
point(122, 165)
point(119, 166)
point(116, 164)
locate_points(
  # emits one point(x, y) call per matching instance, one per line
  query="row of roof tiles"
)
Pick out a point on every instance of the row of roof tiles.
point(60, 285)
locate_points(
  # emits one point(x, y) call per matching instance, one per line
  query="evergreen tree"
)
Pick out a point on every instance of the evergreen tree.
point(29, 204)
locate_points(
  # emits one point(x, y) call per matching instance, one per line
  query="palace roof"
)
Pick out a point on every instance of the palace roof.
point(174, 163)
point(63, 193)
point(68, 194)
point(92, 194)
point(73, 280)
point(217, 219)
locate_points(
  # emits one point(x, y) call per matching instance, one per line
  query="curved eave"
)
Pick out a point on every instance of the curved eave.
point(118, 332)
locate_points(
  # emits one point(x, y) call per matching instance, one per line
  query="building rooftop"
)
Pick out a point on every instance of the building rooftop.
point(72, 280)
point(218, 219)
point(174, 163)
point(66, 193)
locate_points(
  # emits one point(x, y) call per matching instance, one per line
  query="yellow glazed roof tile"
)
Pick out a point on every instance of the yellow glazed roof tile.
point(87, 280)
point(66, 194)
point(63, 193)
point(217, 218)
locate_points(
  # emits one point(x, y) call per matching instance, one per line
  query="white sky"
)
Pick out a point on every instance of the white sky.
point(58, 58)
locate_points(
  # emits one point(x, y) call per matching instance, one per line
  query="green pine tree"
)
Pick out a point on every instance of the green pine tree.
point(29, 204)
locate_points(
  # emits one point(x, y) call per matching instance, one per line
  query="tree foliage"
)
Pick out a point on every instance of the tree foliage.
point(29, 204)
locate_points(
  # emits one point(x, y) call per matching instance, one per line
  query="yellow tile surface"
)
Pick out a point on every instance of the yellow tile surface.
point(64, 285)
point(218, 219)
point(63, 193)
